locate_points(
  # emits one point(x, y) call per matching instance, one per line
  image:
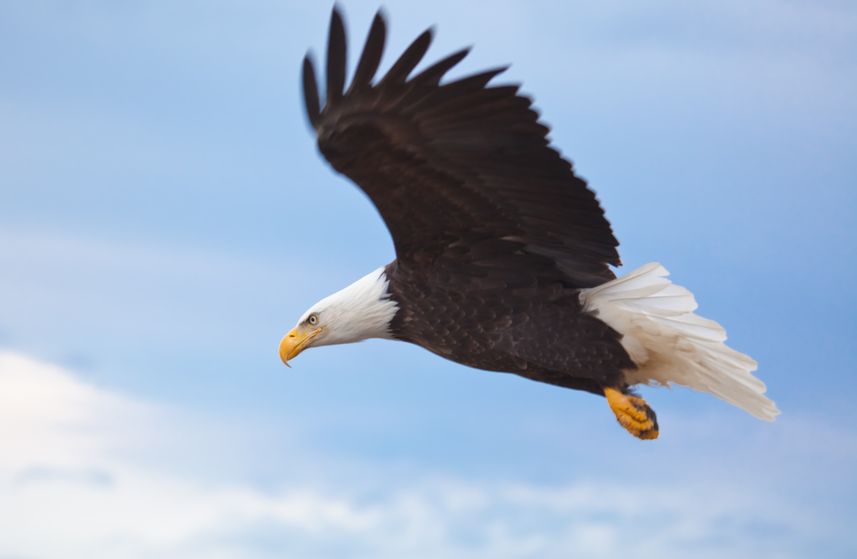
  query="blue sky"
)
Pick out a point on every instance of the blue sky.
point(165, 218)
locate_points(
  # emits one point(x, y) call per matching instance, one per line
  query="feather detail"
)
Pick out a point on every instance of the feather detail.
point(336, 58)
point(311, 92)
point(371, 57)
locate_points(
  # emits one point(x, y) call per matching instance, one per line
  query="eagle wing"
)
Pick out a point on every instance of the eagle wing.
point(462, 169)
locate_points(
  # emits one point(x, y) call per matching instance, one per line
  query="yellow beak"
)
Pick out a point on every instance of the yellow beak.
point(295, 342)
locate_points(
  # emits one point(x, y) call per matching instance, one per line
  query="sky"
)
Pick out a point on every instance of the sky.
point(165, 218)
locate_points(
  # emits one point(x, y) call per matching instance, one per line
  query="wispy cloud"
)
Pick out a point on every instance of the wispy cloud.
point(65, 471)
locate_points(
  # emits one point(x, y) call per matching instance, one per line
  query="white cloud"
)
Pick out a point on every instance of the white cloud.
point(68, 489)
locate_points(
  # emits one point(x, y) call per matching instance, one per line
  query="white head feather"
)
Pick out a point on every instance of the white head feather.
point(362, 310)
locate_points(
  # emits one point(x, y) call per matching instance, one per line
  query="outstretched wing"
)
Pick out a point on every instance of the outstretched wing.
point(458, 168)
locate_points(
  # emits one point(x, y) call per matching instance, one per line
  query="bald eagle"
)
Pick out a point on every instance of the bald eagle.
point(503, 254)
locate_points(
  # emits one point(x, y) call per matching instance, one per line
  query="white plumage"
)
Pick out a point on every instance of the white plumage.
point(358, 312)
point(670, 344)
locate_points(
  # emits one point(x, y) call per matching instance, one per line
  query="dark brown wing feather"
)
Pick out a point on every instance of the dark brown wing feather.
point(452, 166)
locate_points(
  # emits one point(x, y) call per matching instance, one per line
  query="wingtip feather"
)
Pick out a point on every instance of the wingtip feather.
point(434, 73)
point(409, 59)
point(311, 101)
point(373, 49)
point(336, 56)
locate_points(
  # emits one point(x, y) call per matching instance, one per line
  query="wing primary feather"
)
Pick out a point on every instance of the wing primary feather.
point(310, 91)
point(434, 73)
point(336, 54)
point(455, 90)
point(372, 52)
point(477, 81)
point(410, 58)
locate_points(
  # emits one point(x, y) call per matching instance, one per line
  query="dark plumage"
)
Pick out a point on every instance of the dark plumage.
point(494, 233)
point(537, 331)
point(451, 166)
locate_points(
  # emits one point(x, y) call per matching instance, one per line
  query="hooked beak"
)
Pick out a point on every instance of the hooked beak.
point(295, 342)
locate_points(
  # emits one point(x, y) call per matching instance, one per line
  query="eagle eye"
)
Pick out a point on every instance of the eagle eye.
point(312, 319)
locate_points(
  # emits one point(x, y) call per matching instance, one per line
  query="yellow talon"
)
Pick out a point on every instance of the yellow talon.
point(633, 414)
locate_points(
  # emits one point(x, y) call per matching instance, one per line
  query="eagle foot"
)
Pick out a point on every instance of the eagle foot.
point(633, 414)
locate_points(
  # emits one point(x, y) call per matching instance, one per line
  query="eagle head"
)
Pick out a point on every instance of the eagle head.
point(362, 310)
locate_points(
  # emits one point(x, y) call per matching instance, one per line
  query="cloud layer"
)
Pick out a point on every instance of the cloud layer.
point(84, 473)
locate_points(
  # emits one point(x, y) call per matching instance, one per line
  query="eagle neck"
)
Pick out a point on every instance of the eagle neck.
point(396, 293)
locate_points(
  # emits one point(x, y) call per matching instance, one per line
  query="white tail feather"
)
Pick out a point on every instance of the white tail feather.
point(670, 344)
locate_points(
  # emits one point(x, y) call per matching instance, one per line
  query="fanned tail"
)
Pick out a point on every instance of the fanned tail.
point(670, 344)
